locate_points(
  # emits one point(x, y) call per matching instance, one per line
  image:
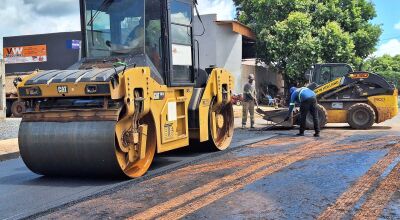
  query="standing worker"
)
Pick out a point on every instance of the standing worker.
point(308, 103)
point(249, 100)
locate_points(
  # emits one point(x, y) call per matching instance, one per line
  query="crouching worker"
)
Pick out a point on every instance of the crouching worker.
point(308, 103)
point(249, 100)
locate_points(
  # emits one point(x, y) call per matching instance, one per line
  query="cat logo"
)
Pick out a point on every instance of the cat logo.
point(62, 89)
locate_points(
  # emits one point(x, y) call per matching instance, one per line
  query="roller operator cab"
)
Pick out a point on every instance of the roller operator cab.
point(137, 91)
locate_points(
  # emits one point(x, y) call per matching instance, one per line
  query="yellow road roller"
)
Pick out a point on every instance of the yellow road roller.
point(136, 92)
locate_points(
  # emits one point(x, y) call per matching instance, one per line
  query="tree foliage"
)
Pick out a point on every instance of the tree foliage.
point(386, 66)
point(293, 34)
point(384, 63)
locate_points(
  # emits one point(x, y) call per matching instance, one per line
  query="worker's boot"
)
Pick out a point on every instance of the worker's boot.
point(300, 134)
point(252, 125)
point(316, 134)
point(243, 126)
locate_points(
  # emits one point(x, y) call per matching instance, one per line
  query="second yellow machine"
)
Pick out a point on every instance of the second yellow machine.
point(137, 92)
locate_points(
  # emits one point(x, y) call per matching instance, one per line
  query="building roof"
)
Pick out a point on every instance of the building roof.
point(239, 28)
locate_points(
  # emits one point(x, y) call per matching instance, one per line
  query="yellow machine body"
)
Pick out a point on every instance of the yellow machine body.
point(170, 113)
point(138, 90)
point(327, 87)
point(386, 110)
point(358, 98)
point(371, 90)
point(161, 112)
point(386, 106)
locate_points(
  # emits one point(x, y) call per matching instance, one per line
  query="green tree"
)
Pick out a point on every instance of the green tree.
point(336, 46)
point(293, 34)
point(383, 63)
point(386, 66)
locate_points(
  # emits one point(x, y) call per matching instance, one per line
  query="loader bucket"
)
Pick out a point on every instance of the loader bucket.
point(276, 116)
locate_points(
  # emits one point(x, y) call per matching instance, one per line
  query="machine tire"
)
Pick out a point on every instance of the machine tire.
point(361, 116)
point(322, 118)
point(8, 108)
point(225, 132)
point(18, 108)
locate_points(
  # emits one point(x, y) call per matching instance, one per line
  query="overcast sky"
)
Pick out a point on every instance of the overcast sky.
point(23, 17)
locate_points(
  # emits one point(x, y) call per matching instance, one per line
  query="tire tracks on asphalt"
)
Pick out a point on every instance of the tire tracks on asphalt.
point(224, 164)
point(193, 200)
point(349, 198)
point(373, 207)
point(242, 182)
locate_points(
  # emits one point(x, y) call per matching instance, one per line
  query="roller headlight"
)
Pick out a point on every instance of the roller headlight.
point(33, 91)
point(91, 89)
point(97, 89)
point(29, 91)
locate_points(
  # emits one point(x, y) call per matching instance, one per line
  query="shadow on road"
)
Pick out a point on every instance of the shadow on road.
point(349, 128)
point(64, 182)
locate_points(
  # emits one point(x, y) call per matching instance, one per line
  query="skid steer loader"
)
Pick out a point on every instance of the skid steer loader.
point(137, 91)
point(344, 96)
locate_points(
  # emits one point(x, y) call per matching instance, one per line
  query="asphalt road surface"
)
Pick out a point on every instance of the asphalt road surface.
point(23, 193)
point(344, 174)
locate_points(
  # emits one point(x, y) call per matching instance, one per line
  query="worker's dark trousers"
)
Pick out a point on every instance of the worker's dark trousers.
point(309, 105)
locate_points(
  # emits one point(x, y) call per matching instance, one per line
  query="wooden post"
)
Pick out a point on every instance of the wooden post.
point(2, 91)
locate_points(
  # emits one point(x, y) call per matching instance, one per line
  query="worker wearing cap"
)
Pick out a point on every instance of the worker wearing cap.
point(308, 103)
point(249, 100)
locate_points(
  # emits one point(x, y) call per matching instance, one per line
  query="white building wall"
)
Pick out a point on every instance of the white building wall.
point(207, 42)
point(229, 53)
point(219, 46)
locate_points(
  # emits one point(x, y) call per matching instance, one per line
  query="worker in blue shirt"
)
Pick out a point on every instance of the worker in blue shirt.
point(308, 103)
